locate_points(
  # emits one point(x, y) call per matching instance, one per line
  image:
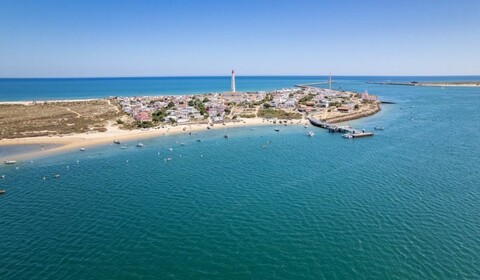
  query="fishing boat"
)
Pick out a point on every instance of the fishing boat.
point(10, 162)
point(139, 145)
point(310, 133)
point(82, 149)
point(379, 128)
point(2, 192)
point(116, 141)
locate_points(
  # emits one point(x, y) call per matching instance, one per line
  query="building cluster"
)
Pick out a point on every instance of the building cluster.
point(215, 107)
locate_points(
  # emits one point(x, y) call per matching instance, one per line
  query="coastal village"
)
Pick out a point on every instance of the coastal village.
point(299, 102)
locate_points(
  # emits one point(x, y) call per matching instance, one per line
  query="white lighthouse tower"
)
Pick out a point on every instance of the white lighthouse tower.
point(233, 81)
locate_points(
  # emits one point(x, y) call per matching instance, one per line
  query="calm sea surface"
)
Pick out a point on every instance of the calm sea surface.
point(48, 89)
point(403, 204)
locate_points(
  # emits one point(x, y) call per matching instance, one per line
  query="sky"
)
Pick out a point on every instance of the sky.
point(256, 37)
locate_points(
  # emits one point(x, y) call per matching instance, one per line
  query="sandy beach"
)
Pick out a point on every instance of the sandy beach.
point(72, 142)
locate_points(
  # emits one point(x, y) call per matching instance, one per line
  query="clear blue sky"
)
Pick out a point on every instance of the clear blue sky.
point(200, 37)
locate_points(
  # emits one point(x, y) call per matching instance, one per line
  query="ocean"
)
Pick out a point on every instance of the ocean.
point(85, 88)
point(403, 204)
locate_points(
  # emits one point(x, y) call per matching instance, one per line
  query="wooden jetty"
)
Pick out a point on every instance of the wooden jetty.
point(354, 133)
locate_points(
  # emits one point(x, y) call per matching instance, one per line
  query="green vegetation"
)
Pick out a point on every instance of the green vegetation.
point(145, 124)
point(247, 116)
point(159, 115)
point(278, 113)
point(306, 98)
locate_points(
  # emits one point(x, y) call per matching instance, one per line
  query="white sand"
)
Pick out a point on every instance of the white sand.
point(83, 140)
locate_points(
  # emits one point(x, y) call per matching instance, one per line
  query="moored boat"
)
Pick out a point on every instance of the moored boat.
point(347, 135)
point(116, 141)
point(139, 145)
point(277, 130)
point(379, 128)
point(2, 192)
point(310, 133)
point(82, 149)
point(10, 161)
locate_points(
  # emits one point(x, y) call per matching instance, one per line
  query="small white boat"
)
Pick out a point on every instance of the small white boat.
point(170, 149)
point(139, 145)
point(57, 176)
point(82, 149)
point(2, 192)
point(123, 147)
point(310, 133)
point(168, 159)
point(379, 128)
point(347, 136)
point(10, 162)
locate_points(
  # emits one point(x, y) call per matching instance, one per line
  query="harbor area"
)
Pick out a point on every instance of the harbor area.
point(348, 132)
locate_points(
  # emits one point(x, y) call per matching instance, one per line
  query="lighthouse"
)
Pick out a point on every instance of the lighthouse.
point(233, 81)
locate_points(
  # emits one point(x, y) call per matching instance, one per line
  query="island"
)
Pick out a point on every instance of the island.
point(80, 123)
point(432, 84)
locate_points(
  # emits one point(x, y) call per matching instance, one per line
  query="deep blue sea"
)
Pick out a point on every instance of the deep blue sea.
point(404, 204)
point(80, 88)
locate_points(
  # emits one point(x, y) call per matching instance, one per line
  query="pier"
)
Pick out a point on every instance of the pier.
point(350, 132)
point(311, 84)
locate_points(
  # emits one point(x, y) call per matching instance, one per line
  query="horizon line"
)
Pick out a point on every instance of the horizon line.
point(228, 76)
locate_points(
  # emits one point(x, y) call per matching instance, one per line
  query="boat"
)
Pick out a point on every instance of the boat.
point(116, 141)
point(82, 149)
point(208, 127)
point(139, 145)
point(57, 176)
point(170, 149)
point(123, 147)
point(10, 162)
point(277, 130)
point(198, 140)
point(310, 133)
point(2, 192)
point(225, 136)
point(379, 128)
point(168, 159)
point(347, 136)
point(182, 144)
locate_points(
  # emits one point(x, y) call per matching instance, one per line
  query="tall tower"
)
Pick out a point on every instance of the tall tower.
point(233, 81)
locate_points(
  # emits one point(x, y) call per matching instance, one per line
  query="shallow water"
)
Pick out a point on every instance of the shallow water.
point(402, 204)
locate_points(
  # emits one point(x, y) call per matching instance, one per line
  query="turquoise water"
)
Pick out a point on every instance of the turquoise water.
point(403, 204)
point(79, 88)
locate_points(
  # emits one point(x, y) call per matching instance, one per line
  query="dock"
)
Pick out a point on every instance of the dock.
point(362, 134)
point(354, 133)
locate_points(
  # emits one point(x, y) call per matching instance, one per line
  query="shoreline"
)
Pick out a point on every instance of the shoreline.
point(83, 140)
point(68, 143)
